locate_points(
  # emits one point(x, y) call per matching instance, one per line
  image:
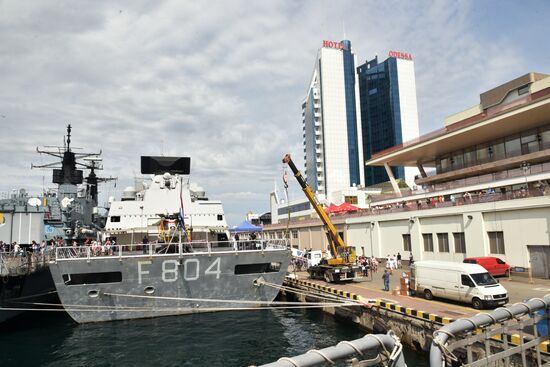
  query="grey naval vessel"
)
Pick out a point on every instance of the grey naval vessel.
point(30, 226)
point(167, 251)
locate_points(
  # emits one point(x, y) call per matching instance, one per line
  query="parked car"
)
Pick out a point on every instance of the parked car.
point(493, 265)
point(469, 283)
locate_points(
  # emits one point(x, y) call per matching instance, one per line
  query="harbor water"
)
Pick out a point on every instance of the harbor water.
point(215, 339)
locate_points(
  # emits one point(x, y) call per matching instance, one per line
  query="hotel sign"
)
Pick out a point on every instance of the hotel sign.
point(401, 55)
point(333, 44)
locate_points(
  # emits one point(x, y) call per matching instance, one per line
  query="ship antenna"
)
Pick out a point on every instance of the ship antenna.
point(69, 137)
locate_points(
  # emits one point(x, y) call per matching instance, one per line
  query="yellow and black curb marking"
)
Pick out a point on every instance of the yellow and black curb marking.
point(338, 292)
point(414, 313)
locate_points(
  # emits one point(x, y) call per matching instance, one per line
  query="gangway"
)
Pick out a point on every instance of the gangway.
point(385, 348)
point(513, 336)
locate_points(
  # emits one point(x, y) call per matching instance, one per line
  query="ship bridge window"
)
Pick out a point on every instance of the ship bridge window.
point(220, 216)
point(259, 268)
point(92, 278)
point(115, 218)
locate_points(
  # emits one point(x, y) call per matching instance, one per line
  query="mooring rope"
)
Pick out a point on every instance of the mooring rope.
point(258, 302)
point(31, 296)
point(87, 308)
point(311, 294)
point(329, 300)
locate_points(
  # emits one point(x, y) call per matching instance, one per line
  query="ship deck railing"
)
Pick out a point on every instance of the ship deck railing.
point(24, 262)
point(167, 249)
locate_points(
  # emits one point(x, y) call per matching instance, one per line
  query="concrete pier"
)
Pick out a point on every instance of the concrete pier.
point(412, 319)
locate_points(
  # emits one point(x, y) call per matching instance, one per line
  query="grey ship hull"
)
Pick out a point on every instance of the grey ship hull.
point(23, 291)
point(105, 288)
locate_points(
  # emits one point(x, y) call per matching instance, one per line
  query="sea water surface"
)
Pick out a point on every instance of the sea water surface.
point(213, 339)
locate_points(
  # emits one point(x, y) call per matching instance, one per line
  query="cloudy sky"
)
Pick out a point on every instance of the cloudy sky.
point(223, 81)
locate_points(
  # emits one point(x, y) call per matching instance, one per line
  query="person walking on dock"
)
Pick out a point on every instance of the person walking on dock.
point(386, 277)
point(399, 265)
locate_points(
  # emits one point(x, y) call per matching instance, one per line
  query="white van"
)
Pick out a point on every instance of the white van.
point(314, 257)
point(469, 283)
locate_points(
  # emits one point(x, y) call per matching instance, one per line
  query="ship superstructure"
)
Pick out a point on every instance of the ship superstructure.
point(68, 212)
point(166, 193)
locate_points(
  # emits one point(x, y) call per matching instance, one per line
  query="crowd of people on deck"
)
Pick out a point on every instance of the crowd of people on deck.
point(98, 248)
point(247, 241)
point(16, 249)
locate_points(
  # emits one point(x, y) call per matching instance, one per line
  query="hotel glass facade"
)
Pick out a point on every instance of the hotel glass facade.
point(389, 114)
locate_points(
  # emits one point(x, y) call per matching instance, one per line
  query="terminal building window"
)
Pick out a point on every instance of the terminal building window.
point(428, 242)
point(407, 242)
point(544, 137)
point(497, 150)
point(529, 142)
point(443, 242)
point(515, 145)
point(482, 153)
point(496, 242)
point(470, 157)
point(460, 243)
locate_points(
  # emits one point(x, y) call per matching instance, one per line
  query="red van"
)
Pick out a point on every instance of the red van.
point(493, 265)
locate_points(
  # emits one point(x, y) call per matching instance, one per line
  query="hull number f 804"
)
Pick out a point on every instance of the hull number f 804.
point(190, 270)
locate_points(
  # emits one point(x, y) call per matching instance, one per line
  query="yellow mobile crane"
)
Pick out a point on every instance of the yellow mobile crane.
point(342, 265)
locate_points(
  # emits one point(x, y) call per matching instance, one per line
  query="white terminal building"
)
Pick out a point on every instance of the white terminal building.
point(487, 192)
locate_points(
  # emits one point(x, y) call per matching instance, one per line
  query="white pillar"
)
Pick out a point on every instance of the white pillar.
point(392, 179)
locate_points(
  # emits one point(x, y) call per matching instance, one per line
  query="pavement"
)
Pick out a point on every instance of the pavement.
point(519, 288)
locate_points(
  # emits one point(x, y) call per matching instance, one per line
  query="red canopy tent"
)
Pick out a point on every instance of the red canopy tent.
point(344, 208)
point(331, 209)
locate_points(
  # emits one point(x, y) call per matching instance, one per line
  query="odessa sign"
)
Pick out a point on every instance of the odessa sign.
point(332, 44)
point(400, 55)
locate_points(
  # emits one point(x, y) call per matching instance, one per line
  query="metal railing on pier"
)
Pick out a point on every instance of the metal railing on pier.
point(511, 336)
point(21, 263)
point(383, 349)
point(160, 249)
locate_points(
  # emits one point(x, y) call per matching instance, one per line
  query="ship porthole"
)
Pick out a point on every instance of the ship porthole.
point(93, 293)
point(149, 290)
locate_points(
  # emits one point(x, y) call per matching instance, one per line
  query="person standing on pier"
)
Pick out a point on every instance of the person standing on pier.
point(386, 277)
point(399, 265)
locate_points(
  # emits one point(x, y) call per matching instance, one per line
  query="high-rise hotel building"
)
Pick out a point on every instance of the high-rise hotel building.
point(389, 114)
point(332, 137)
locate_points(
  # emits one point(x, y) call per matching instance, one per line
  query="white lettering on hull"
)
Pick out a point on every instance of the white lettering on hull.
point(191, 270)
point(140, 272)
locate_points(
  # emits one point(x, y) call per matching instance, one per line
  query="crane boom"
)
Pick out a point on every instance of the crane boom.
point(341, 253)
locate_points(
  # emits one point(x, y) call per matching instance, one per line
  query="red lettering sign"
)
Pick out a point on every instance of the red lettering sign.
point(400, 55)
point(333, 44)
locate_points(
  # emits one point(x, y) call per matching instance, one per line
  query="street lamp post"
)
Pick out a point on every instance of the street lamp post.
point(371, 249)
point(525, 166)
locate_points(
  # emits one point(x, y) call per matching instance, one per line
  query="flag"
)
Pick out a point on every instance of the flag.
point(181, 215)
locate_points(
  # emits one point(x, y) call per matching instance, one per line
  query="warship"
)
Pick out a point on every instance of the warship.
point(166, 251)
point(69, 213)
